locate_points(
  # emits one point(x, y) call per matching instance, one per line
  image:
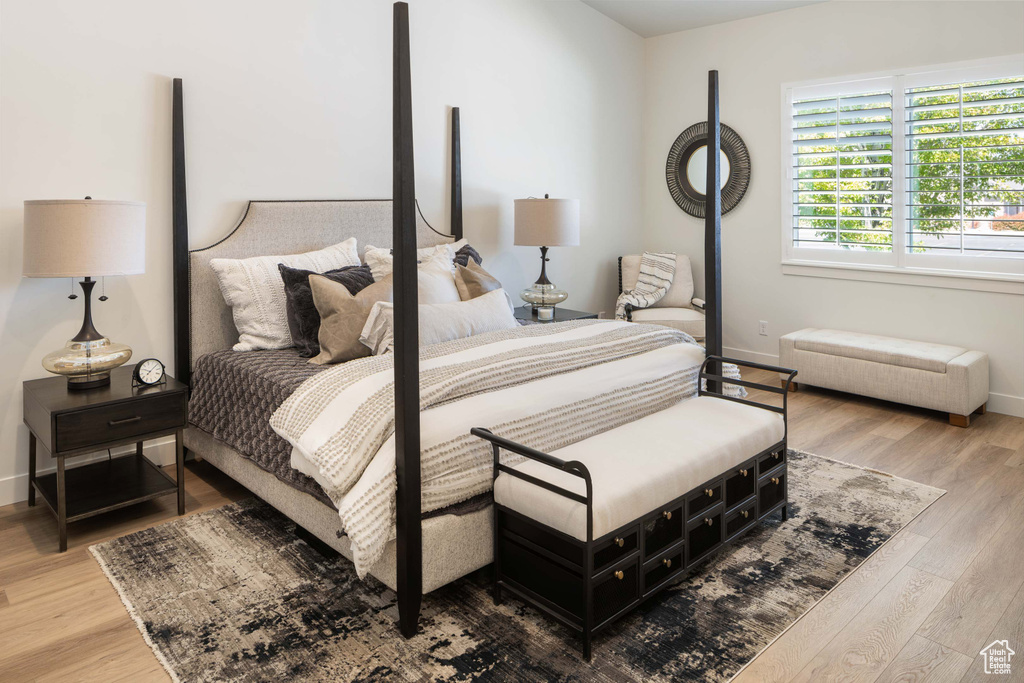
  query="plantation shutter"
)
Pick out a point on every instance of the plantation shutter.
point(843, 171)
point(965, 168)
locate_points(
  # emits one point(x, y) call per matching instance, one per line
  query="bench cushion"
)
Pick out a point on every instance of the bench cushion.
point(884, 350)
point(643, 464)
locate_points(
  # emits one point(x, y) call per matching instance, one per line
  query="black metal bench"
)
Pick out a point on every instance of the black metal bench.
point(587, 585)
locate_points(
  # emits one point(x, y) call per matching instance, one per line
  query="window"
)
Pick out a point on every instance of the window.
point(843, 172)
point(965, 168)
point(915, 172)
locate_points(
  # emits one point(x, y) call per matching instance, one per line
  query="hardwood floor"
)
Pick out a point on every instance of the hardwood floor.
point(920, 608)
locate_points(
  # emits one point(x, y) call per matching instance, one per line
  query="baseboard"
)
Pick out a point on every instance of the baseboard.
point(1003, 404)
point(14, 489)
point(1006, 404)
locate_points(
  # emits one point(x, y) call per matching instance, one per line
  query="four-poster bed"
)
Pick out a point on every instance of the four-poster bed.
point(428, 550)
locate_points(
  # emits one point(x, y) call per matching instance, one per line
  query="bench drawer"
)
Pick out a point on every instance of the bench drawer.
point(741, 484)
point(740, 520)
point(769, 461)
point(771, 491)
point(611, 551)
point(704, 534)
point(617, 591)
point(663, 529)
point(709, 495)
point(663, 568)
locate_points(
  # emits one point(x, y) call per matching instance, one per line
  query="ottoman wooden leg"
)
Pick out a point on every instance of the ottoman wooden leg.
point(959, 420)
point(982, 410)
point(792, 386)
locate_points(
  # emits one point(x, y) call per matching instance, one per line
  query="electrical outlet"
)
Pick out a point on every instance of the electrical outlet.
point(762, 328)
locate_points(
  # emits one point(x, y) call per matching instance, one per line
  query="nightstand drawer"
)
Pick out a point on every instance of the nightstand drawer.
point(103, 424)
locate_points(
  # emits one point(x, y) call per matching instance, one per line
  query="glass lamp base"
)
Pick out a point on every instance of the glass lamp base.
point(543, 295)
point(87, 364)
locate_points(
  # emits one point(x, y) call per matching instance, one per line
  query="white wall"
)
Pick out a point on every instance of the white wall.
point(293, 101)
point(754, 58)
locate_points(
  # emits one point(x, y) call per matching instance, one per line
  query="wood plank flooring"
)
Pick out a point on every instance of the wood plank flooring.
point(920, 609)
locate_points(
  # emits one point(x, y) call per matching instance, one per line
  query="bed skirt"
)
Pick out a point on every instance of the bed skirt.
point(453, 545)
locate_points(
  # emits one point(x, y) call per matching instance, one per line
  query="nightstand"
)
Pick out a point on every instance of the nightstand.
point(561, 315)
point(72, 423)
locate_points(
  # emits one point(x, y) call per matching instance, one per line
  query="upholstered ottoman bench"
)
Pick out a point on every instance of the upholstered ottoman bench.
point(589, 531)
point(950, 379)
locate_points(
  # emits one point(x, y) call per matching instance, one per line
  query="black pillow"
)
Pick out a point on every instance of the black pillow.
point(303, 318)
point(465, 253)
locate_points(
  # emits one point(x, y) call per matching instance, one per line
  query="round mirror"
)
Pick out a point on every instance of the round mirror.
point(687, 167)
point(697, 169)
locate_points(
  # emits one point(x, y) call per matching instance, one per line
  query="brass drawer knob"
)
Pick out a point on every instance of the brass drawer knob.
point(709, 521)
point(775, 480)
point(667, 514)
point(620, 542)
point(667, 562)
point(745, 514)
point(776, 455)
point(711, 493)
point(619, 575)
point(743, 473)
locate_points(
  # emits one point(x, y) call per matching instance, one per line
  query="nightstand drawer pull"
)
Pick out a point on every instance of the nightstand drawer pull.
point(127, 420)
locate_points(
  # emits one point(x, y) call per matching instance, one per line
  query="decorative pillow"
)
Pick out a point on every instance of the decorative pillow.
point(342, 316)
point(303, 319)
point(464, 252)
point(473, 281)
point(380, 259)
point(440, 322)
point(252, 288)
point(436, 282)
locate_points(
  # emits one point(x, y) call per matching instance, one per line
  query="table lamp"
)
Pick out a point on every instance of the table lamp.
point(546, 223)
point(85, 238)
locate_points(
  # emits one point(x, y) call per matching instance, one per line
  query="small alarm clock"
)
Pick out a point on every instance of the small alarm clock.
point(149, 372)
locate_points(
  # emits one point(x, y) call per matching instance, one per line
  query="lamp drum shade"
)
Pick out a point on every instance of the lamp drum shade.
point(547, 222)
point(84, 238)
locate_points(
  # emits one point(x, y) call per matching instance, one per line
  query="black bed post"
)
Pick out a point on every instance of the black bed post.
point(179, 244)
point(713, 234)
point(456, 207)
point(409, 543)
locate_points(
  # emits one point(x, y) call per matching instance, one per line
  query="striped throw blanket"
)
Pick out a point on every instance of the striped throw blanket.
point(546, 386)
point(656, 273)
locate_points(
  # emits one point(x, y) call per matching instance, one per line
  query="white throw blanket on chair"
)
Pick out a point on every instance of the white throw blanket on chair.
point(654, 281)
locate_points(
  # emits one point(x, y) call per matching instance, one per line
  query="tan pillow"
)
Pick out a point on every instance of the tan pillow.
point(343, 315)
point(472, 281)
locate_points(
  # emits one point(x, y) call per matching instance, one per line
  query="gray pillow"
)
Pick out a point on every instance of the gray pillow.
point(303, 318)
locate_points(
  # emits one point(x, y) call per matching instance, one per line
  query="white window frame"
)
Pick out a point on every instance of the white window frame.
point(942, 270)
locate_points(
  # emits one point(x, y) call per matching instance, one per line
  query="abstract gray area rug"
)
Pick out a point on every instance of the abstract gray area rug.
point(232, 595)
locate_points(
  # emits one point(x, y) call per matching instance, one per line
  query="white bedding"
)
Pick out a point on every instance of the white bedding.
point(545, 386)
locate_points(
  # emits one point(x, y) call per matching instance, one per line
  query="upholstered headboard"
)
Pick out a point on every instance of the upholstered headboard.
point(281, 228)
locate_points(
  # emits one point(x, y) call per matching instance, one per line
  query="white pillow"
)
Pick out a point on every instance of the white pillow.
point(380, 259)
point(253, 289)
point(440, 322)
point(436, 282)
